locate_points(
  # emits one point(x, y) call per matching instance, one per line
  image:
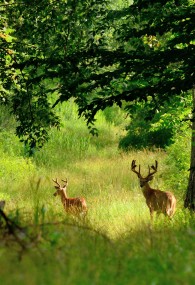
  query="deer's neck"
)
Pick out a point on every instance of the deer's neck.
point(63, 197)
point(146, 189)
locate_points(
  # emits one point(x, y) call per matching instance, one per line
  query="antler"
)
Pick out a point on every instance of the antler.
point(154, 169)
point(133, 166)
point(65, 181)
point(56, 181)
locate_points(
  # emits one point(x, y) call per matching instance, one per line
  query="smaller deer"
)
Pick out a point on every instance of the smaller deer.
point(157, 201)
point(74, 206)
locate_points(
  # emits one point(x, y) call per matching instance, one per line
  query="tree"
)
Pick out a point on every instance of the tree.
point(189, 201)
point(53, 50)
point(46, 49)
point(154, 58)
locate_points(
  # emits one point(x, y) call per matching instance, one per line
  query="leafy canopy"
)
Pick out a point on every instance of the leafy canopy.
point(46, 49)
point(154, 55)
point(53, 50)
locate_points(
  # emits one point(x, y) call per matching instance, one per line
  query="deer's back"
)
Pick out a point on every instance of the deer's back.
point(74, 202)
point(160, 200)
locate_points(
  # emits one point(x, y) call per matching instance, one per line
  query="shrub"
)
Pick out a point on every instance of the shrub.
point(178, 161)
point(149, 129)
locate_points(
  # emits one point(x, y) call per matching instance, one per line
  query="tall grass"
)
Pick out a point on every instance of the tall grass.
point(117, 244)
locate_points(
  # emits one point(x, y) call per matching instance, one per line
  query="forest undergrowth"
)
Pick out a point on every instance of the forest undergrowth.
point(117, 243)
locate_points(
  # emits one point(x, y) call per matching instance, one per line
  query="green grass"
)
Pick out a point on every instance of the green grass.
point(141, 254)
point(117, 244)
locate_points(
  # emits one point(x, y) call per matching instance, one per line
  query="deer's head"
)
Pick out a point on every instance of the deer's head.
point(149, 177)
point(60, 189)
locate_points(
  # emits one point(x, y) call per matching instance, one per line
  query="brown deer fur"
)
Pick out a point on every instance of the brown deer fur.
point(74, 206)
point(157, 201)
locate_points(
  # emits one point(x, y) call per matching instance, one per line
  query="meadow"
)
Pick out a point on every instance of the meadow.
point(117, 244)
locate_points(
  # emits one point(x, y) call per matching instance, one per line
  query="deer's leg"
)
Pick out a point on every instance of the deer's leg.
point(151, 214)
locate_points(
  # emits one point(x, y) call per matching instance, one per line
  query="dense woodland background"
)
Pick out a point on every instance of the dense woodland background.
point(85, 88)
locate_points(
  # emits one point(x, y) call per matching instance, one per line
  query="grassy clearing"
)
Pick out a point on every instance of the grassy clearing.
point(117, 244)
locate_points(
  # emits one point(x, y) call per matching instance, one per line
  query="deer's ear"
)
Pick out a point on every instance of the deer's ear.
point(150, 178)
point(56, 187)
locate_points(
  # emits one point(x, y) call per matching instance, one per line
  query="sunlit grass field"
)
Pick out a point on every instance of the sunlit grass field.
point(117, 243)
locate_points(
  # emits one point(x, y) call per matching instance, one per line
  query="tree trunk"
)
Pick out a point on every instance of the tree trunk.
point(189, 201)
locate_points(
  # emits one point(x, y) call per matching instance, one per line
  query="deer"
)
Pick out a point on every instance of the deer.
point(157, 201)
point(75, 206)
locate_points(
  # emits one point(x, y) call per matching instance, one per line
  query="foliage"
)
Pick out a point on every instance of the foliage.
point(78, 255)
point(100, 53)
point(117, 243)
point(72, 143)
point(46, 48)
point(13, 165)
point(117, 116)
point(178, 160)
point(7, 121)
point(156, 129)
point(153, 56)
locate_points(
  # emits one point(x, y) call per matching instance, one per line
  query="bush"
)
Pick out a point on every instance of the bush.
point(115, 115)
point(178, 161)
point(7, 121)
point(155, 129)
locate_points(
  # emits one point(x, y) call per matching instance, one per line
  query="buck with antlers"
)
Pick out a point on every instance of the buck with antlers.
point(75, 206)
point(157, 201)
